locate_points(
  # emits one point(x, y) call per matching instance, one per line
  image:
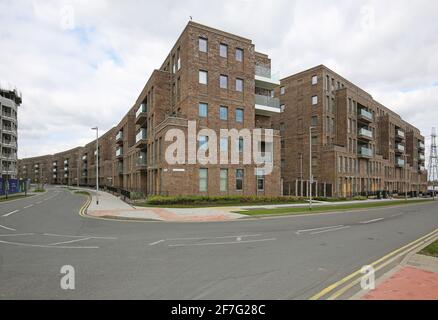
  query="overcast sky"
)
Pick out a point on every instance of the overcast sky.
point(83, 63)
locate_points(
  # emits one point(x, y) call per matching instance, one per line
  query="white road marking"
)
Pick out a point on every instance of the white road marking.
point(45, 246)
point(374, 220)
point(9, 213)
point(31, 205)
point(17, 234)
point(219, 243)
point(70, 236)
point(328, 230)
point(316, 229)
point(7, 228)
point(207, 238)
point(156, 242)
point(71, 241)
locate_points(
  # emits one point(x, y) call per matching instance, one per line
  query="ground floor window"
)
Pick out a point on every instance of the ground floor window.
point(203, 180)
point(239, 179)
point(224, 180)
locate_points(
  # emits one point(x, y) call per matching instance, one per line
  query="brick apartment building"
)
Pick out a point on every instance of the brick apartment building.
point(358, 145)
point(219, 81)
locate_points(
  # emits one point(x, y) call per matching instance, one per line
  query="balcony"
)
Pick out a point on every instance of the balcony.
point(421, 157)
point(9, 156)
point(364, 115)
point(399, 162)
point(8, 116)
point(399, 148)
point(66, 162)
point(141, 138)
point(421, 168)
point(142, 161)
point(8, 170)
point(141, 114)
point(399, 134)
point(84, 157)
point(364, 133)
point(119, 152)
point(119, 168)
point(55, 170)
point(421, 145)
point(55, 164)
point(65, 169)
point(9, 130)
point(263, 78)
point(9, 144)
point(266, 105)
point(364, 152)
point(119, 137)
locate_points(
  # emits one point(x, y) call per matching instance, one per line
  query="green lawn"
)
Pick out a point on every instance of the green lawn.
point(431, 250)
point(85, 193)
point(13, 197)
point(315, 209)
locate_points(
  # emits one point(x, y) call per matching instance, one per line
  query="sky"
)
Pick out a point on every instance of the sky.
point(82, 63)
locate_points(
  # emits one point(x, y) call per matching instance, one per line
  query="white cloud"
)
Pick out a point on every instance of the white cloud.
point(76, 78)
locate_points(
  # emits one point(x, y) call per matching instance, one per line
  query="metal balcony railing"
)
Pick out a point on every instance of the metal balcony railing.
point(267, 101)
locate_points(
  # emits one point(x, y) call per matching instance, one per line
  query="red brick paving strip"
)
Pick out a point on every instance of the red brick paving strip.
point(408, 283)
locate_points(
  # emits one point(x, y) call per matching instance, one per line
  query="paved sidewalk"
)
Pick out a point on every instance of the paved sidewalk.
point(416, 280)
point(112, 206)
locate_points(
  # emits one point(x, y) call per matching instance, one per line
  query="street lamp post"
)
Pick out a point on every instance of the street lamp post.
point(97, 164)
point(310, 167)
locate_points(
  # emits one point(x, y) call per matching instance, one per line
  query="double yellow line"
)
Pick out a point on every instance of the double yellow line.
point(340, 287)
point(83, 210)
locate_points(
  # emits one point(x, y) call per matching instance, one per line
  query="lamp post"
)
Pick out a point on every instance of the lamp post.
point(310, 167)
point(97, 164)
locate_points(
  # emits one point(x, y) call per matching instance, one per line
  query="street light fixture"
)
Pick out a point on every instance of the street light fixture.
point(97, 164)
point(310, 167)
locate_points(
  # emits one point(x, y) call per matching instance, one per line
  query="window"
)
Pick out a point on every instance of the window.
point(224, 144)
point(239, 179)
point(239, 115)
point(203, 180)
point(240, 144)
point(314, 100)
point(224, 180)
point(223, 113)
point(223, 50)
point(282, 90)
point(203, 45)
point(239, 85)
point(260, 180)
point(203, 110)
point(314, 120)
point(314, 80)
point(203, 77)
point(223, 81)
point(203, 143)
point(239, 55)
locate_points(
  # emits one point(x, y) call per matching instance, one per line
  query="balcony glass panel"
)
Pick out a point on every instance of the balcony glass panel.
point(267, 101)
point(364, 151)
point(141, 135)
point(141, 109)
point(365, 132)
point(365, 114)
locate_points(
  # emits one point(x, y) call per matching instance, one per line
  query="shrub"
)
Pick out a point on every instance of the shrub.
point(359, 198)
point(39, 190)
point(211, 200)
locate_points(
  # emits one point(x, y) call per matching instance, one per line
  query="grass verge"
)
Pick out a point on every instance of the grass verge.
point(85, 193)
point(431, 250)
point(315, 209)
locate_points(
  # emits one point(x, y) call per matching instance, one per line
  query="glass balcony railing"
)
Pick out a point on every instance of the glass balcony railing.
point(141, 135)
point(263, 71)
point(399, 162)
point(365, 152)
point(421, 157)
point(141, 109)
point(400, 133)
point(119, 152)
point(422, 168)
point(399, 147)
point(119, 135)
point(142, 159)
point(365, 114)
point(267, 101)
point(364, 132)
point(421, 145)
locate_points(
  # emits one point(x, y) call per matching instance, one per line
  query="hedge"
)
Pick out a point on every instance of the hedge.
point(194, 200)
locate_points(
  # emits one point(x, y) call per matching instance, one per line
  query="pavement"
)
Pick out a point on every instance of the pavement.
point(293, 257)
point(110, 206)
point(416, 278)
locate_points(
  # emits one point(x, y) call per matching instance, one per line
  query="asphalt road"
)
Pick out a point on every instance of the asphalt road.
point(279, 258)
